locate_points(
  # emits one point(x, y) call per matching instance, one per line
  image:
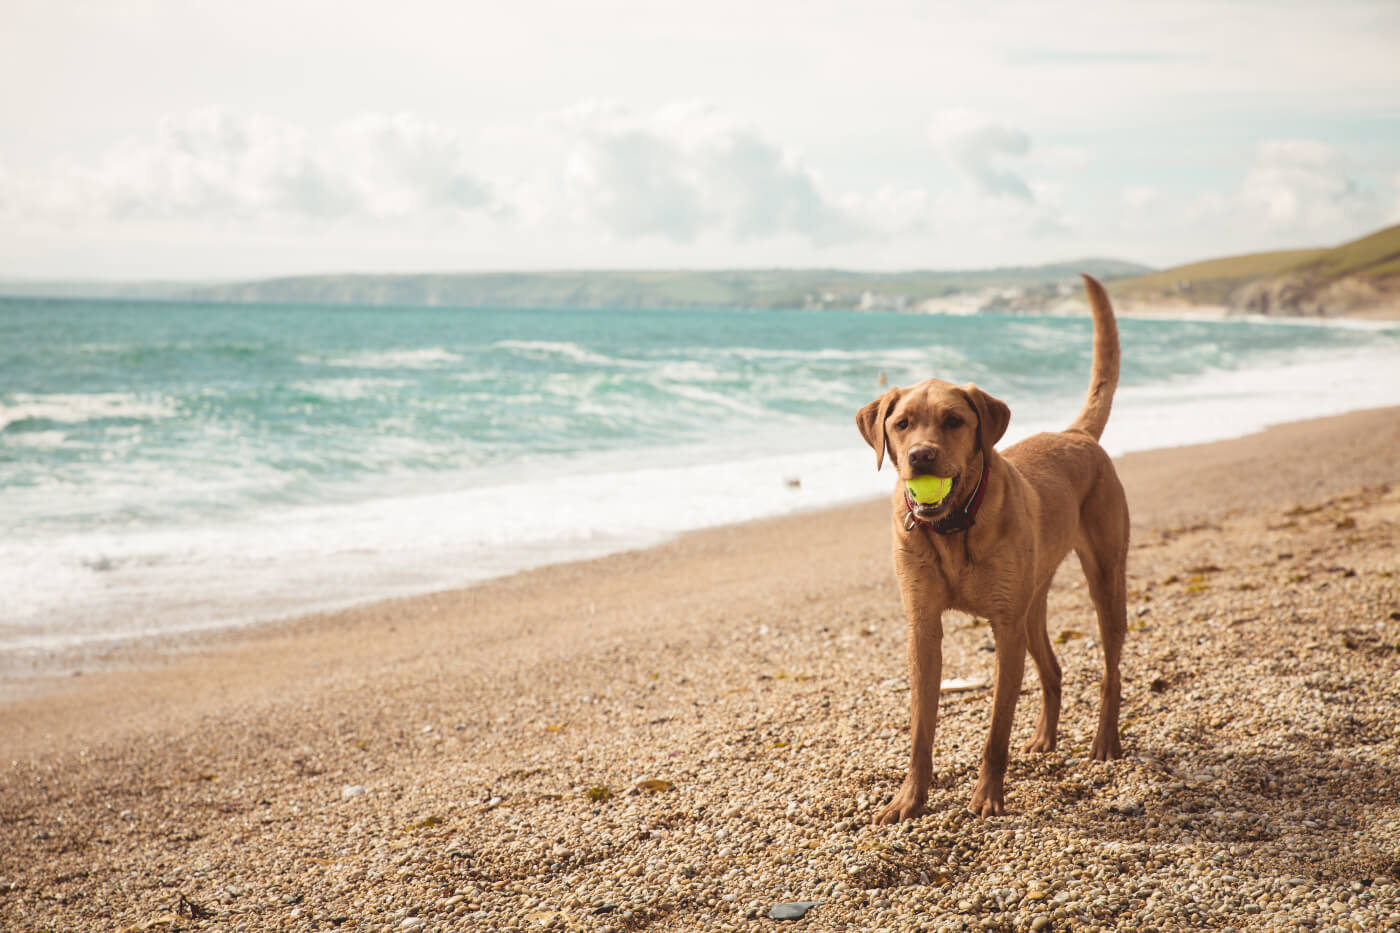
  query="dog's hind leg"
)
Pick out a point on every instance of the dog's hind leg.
point(1038, 641)
point(1104, 557)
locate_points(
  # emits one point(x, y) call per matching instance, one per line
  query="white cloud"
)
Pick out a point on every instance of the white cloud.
point(1006, 200)
point(684, 172)
point(1291, 194)
point(684, 183)
point(688, 170)
point(1049, 217)
point(1303, 182)
point(892, 210)
point(204, 165)
point(976, 146)
point(404, 165)
point(1070, 158)
point(1141, 196)
point(217, 167)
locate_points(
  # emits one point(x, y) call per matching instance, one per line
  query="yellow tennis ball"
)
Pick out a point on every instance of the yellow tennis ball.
point(929, 490)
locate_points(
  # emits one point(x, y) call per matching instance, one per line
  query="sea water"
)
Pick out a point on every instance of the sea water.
point(168, 467)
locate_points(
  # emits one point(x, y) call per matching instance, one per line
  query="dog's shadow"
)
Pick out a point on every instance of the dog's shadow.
point(1336, 816)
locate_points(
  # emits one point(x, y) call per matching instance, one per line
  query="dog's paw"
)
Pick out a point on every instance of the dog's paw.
point(1040, 743)
point(1106, 748)
point(906, 805)
point(987, 798)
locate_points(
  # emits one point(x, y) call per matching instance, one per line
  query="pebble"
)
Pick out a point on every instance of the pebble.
point(1251, 826)
point(792, 910)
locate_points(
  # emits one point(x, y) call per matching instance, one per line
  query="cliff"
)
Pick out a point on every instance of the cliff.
point(1360, 277)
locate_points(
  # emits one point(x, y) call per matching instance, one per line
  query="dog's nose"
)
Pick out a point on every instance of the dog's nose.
point(923, 457)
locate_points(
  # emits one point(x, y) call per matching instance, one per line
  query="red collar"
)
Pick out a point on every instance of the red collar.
point(959, 520)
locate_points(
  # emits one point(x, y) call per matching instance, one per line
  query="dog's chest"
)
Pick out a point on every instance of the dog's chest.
point(972, 576)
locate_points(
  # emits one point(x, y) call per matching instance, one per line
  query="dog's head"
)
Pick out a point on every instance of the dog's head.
point(935, 429)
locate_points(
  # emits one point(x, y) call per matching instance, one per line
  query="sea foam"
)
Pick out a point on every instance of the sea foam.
point(340, 457)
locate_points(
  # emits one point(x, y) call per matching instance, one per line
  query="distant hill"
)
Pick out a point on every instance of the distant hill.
point(743, 288)
point(78, 288)
point(1356, 277)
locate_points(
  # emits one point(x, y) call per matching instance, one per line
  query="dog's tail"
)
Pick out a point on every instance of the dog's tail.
point(1103, 378)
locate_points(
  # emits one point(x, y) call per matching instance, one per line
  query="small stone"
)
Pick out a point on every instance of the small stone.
point(793, 910)
point(1128, 806)
point(411, 923)
point(1039, 923)
point(350, 791)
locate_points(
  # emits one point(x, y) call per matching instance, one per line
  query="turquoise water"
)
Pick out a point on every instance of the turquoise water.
point(155, 458)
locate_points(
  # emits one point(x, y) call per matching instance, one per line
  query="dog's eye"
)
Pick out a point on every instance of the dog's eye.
point(952, 421)
point(902, 423)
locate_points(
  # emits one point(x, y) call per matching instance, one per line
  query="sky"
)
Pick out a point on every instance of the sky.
point(183, 139)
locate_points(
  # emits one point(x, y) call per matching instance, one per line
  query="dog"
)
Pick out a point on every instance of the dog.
point(992, 545)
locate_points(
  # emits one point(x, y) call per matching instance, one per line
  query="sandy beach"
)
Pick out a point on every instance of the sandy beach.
point(683, 737)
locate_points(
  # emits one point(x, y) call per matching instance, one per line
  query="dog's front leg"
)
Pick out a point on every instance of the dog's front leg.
point(924, 610)
point(988, 796)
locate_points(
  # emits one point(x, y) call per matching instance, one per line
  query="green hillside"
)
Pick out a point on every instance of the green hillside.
point(729, 288)
point(1376, 256)
point(1211, 281)
point(1326, 280)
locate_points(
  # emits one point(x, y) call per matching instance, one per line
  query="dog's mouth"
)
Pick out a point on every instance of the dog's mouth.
point(931, 508)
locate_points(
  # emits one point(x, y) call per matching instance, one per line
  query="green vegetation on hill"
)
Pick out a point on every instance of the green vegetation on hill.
point(1213, 280)
point(1357, 275)
point(741, 288)
point(1376, 256)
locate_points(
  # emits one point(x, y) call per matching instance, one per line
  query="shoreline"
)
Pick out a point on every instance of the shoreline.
point(23, 669)
point(478, 758)
point(28, 673)
point(1379, 315)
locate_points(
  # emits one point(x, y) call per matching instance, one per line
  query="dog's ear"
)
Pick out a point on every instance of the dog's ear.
point(993, 416)
point(871, 421)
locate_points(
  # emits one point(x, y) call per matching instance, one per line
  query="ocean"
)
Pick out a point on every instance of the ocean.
point(169, 467)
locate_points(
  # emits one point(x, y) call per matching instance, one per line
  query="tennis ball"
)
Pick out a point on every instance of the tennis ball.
point(929, 490)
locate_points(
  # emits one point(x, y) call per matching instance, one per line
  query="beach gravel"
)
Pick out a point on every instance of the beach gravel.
point(693, 736)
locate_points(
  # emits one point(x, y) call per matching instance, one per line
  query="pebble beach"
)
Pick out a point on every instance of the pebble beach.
point(696, 736)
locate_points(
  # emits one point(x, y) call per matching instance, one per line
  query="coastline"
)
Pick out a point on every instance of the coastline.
point(207, 520)
point(1130, 307)
point(757, 669)
point(1167, 486)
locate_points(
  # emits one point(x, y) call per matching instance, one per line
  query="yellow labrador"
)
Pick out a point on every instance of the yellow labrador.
point(992, 544)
